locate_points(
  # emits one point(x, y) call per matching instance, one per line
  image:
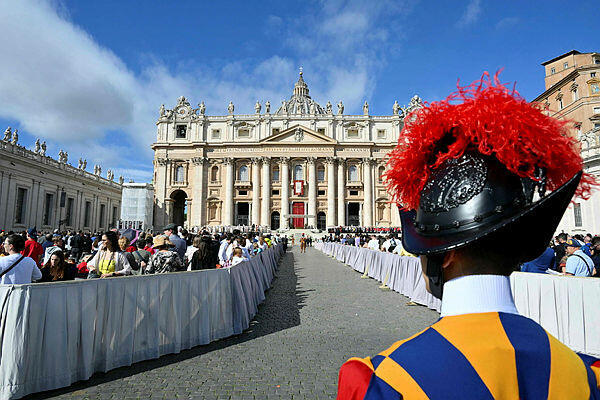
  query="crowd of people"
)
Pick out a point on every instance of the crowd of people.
point(29, 256)
point(390, 242)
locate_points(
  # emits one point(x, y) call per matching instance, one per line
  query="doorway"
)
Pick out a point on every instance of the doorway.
point(242, 213)
point(354, 214)
point(275, 220)
point(179, 207)
point(321, 221)
point(298, 209)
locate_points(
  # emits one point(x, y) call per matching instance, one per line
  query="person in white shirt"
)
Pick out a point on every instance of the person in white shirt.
point(25, 270)
point(373, 243)
point(189, 252)
point(237, 256)
point(223, 251)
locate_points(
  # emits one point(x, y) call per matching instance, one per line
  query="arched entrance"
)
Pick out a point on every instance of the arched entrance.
point(321, 221)
point(179, 207)
point(275, 220)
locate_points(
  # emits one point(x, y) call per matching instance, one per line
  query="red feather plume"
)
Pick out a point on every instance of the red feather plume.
point(487, 117)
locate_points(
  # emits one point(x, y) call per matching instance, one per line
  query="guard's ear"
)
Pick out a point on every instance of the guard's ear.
point(449, 258)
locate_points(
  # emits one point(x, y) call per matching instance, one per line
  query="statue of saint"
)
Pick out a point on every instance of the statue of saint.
point(60, 156)
point(121, 180)
point(257, 107)
point(366, 108)
point(15, 137)
point(267, 107)
point(396, 108)
point(340, 108)
point(84, 165)
point(313, 108)
point(329, 108)
point(99, 170)
point(80, 163)
point(66, 157)
point(37, 146)
point(43, 152)
point(162, 110)
point(230, 108)
point(202, 108)
point(7, 135)
point(284, 107)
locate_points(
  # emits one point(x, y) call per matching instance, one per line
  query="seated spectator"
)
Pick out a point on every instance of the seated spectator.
point(164, 260)
point(541, 264)
point(15, 268)
point(578, 263)
point(109, 260)
point(56, 269)
point(57, 245)
point(148, 246)
point(237, 257)
point(142, 257)
point(124, 246)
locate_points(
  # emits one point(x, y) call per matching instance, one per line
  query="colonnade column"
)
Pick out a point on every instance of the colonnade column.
point(330, 191)
point(198, 195)
point(341, 192)
point(228, 203)
point(368, 193)
point(284, 173)
point(312, 192)
point(256, 191)
point(266, 192)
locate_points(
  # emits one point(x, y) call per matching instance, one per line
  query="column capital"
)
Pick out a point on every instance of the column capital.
point(368, 160)
point(228, 160)
point(341, 161)
point(284, 160)
point(198, 160)
point(256, 160)
point(266, 160)
point(161, 161)
point(331, 160)
point(311, 160)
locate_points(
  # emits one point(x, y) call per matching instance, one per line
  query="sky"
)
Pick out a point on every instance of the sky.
point(89, 76)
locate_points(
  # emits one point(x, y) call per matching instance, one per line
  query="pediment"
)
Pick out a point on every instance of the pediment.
point(298, 134)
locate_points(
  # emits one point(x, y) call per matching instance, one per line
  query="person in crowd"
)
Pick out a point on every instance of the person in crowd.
point(142, 256)
point(179, 243)
point(264, 245)
point(191, 250)
point(57, 269)
point(204, 257)
point(15, 268)
point(596, 254)
point(58, 245)
point(109, 260)
point(488, 139)
point(131, 247)
point(238, 256)
point(578, 263)
point(587, 245)
point(257, 249)
point(124, 246)
point(225, 244)
point(148, 245)
point(32, 248)
point(82, 269)
point(95, 245)
point(47, 242)
point(373, 243)
point(560, 249)
point(302, 244)
point(164, 260)
point(77, 245)
point(541, 264)
point(87, 244)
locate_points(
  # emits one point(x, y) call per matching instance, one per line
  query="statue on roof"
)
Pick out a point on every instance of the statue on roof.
point(366, 108)
point(43, 152)
point(36, 149)
point(257, 107)
point(7, 135)
point(284, 107)
point(84, 165)
point(329, 107)
point(230, 108)
point(162, 110)
point(79, 163)
point(340, 108)
point(15, 137)
point(121, 180)
point(202, 108)
point(267, 107)
point(396, 108)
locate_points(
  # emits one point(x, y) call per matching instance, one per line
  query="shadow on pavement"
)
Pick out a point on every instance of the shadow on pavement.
point(279, 311)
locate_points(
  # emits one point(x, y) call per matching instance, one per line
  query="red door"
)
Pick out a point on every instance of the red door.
point(298, 208)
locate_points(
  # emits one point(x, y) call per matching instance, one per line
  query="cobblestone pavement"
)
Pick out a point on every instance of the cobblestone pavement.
point(318, 314)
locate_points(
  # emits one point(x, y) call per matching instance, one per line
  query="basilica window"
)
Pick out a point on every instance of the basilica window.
point(276, 131)
point(353, 173)
point(244, 133)
point(577, 214)
point(381, 134)
point(215, 134)
point(321, 173)
point(298, 173)
point(179, 174)
point(381, 171)
point(181, 131)
point(212, 211)
point(243, 174)
point(552, 70)
point(594, 88)
point(214, 174)
point(21, 206)
point(352, 133)
point(575, 94)
point(321, 131)
point(275, 174)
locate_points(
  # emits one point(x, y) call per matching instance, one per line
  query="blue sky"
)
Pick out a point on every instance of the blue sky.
point(89, 76)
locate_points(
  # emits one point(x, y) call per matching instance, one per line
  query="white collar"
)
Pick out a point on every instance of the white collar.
point(477, 294)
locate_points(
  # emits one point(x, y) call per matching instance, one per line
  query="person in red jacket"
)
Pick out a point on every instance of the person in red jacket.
point(32, 248)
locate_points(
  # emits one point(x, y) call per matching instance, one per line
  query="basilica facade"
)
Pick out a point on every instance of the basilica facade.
point(300, 165)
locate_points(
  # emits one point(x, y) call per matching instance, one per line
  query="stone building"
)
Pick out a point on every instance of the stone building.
point(301, 164)
point(573, 93)
point(36, 190)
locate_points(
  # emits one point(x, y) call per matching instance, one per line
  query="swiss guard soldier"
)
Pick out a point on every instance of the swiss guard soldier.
point(475, 174)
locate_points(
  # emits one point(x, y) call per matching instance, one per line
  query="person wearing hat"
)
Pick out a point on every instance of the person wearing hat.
point(32, 248)
point(179, 243)
point(164, 260)
point(578, 263)
point(465, 173)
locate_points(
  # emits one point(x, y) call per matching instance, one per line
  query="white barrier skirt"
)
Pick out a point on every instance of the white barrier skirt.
point(401, 274)
point(54, 334)
point(567, 307)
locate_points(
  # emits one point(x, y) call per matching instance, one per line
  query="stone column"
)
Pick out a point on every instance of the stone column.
point(266, 192)
point(367, 193)
point(312, 191)
point(255, 191)
point(341, 192)
point(198, 194)
point(284, 173)
point(228, 200)
point(331, 221)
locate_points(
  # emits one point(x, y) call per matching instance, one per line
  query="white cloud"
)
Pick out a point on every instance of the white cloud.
point(507, 22)
point(471, 14)
point(62, 86)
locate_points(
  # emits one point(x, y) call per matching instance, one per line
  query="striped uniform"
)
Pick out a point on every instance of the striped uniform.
point(488, 355)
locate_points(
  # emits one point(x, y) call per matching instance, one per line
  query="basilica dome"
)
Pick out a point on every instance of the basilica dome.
point(300, 102)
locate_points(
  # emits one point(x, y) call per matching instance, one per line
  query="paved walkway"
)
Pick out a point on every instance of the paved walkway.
point(317, 314)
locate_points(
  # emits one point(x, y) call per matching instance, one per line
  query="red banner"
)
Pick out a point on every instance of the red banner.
point(298, 188)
